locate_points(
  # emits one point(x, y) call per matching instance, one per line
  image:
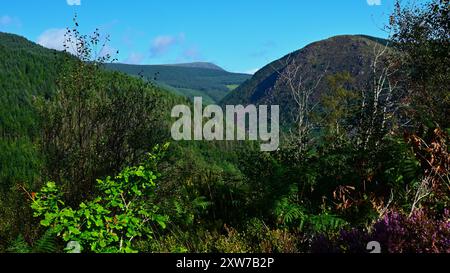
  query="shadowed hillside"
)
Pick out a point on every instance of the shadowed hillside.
point(347, 53)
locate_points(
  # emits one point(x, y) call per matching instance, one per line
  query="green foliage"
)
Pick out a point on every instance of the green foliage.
point(326, 223)
point(421, 32)
point(19, 246)
point(45, 244)
point(97, 122)
point(339, 106)
point(288, 213)
point(355, 166)
point(291, 214)
point(123, 212)
point(35, 121)
point(313, 63)
point(27, 70)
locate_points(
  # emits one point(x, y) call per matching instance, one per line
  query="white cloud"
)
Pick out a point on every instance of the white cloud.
point(162, 44)
point(134, 58)
point(374, 2)
point(108, 50)
point(52, 38)
point(74, 2)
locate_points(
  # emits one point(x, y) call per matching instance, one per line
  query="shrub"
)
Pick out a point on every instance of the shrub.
point(113, 220)
point(422, 232)
point(419, 233)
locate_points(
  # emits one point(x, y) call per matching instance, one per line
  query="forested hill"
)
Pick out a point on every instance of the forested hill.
point(346, 53)
point(29, 78)
point(26, 70)
point(196, 79)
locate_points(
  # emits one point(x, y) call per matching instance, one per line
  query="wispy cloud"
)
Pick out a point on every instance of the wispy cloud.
point(108, 50)
point(7, 21)
point(56, 37)
point(52, 38)
point(74, 2)
point(374, 2)
point(162, 44)
point(134, 58)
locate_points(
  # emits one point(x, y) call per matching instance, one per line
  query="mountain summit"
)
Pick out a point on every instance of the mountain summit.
point(313, 63)
point(204, 65)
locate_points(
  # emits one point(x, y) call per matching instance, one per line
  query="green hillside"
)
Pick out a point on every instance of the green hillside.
point(197, 79)
point(27, 70)
point(86, 157)
point(29, 79)
point(347, 53)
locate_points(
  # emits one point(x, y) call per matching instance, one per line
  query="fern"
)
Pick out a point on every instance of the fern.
point(287, 212)
point(201, 203)
point(46, 244)
point(19, 246)
point(326, 223)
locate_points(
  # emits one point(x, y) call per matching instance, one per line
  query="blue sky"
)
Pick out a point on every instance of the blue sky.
point(239, 35)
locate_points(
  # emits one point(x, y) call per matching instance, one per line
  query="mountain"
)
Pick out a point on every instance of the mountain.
point(346, 53)
point(27, 71)
point(199, 65)
point(194, 79)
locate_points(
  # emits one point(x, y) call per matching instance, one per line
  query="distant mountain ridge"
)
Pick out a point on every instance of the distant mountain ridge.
point(205, 65)
point(316, 61)
point(192, 79)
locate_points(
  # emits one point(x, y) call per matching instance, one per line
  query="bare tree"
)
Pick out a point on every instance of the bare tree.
point(378, 104)
point(296, 82)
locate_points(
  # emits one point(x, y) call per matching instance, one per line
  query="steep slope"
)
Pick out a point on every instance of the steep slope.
point(345, 53)
point(189, 80)
point(27, 71)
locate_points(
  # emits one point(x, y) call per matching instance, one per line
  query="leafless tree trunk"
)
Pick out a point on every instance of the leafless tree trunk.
point(378, 105)
point(296, 83)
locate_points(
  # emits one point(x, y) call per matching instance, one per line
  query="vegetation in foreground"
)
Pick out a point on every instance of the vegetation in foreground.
point(372, 164)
